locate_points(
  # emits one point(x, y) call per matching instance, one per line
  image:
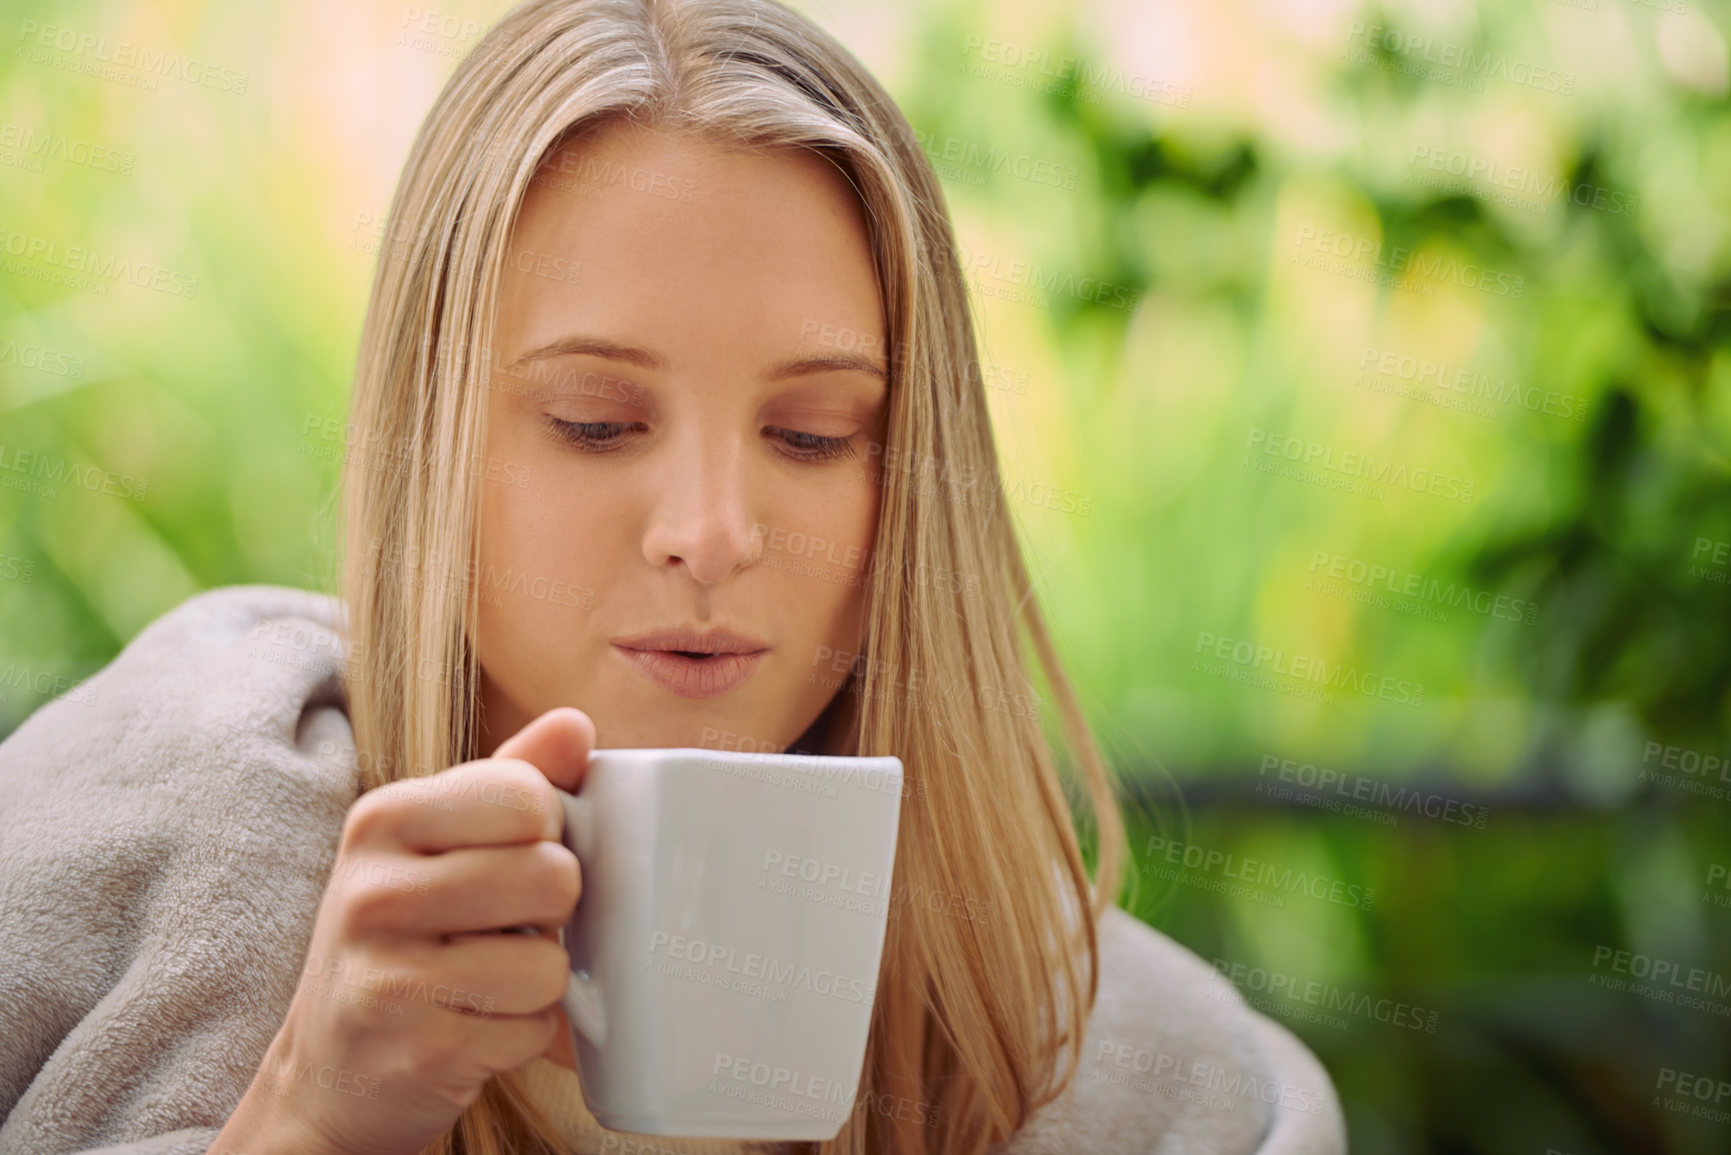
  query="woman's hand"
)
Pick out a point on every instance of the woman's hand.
point(411, 998)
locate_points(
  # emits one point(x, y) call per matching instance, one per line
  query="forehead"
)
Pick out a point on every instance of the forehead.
point(630, 184)
point(638, 228)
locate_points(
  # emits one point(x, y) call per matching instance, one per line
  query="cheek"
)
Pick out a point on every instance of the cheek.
point(821, 576)
point(502, 622)
point(544, 525)
point(539, 565)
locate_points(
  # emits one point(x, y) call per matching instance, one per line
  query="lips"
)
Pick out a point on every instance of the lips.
point(693, 642)
point(694, 663)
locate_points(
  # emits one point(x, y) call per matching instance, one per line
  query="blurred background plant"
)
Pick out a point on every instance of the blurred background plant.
point(1362, 379)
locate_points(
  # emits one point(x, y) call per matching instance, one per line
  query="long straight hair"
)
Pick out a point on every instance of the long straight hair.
point(990, 962)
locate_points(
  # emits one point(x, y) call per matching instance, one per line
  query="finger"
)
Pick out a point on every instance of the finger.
point(488, 1044)
point(508, 1043)
point(492, 802)
point(493, 974)
point(477, 888)
point(502, 800)
point(561, 1050)
point(557, 743)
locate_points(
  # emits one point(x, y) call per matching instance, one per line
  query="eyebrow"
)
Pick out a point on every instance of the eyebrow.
point(636, 355)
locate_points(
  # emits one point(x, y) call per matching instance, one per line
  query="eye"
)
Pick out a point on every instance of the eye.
point(811, 446)
point(594, 436)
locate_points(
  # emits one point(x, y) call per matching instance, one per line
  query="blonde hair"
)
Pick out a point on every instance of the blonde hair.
point(983, 994)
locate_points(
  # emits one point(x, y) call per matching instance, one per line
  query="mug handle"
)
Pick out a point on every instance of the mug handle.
point(582, 999)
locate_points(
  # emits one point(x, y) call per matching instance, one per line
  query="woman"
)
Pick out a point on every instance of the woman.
point(668, 409)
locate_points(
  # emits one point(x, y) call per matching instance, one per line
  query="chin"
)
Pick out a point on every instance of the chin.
point(712, 735)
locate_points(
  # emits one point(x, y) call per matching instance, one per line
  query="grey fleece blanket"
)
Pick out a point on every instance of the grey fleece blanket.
point(165, 838)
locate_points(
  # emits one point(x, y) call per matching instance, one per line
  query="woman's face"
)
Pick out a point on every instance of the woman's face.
point(688, 370)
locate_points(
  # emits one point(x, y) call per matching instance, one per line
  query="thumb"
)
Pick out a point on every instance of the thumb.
point(557, 744)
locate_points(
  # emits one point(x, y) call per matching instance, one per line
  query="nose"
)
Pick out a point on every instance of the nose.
point(701, 511)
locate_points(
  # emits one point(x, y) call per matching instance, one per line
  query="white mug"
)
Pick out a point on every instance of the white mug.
point(725, 946)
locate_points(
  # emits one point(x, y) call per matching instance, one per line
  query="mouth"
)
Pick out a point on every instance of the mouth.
point(694, 673)
point(694, 663)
